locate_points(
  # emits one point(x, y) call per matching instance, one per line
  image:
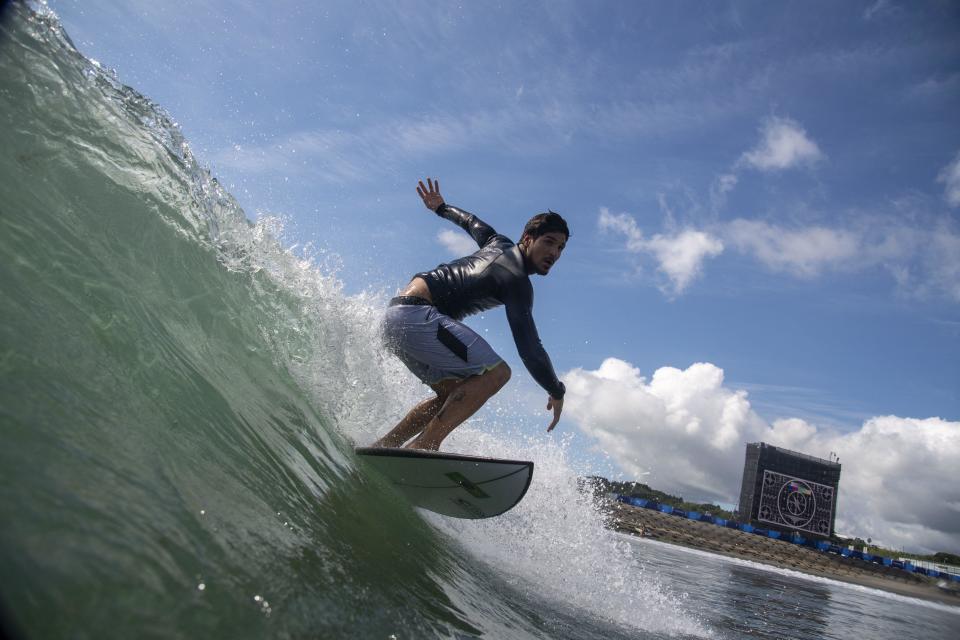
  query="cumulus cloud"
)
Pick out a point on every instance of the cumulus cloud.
point(950, 177)
point(803, 251)
point(456, 243)
point(893, 478)
point(784, 145)
point(679, 255)
point(683, 427)
point(684, 431)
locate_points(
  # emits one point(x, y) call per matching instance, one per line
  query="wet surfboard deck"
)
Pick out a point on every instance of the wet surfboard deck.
point(453, 484)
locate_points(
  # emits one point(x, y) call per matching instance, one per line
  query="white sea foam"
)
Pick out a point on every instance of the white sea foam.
point(555, 543)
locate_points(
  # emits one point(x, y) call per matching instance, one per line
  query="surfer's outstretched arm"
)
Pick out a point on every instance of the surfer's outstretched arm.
point(531, 350)
point(479, 230)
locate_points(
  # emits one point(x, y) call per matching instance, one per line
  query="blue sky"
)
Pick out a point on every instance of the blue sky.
point(772, 189)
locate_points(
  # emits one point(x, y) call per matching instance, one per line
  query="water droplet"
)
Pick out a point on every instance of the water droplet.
point(257, 598)
point(201, 587)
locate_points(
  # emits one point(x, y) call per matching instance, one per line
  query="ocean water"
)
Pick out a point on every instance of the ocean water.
point(180, 395)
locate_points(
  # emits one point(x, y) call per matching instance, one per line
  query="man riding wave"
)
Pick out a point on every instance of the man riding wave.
point(422, 325)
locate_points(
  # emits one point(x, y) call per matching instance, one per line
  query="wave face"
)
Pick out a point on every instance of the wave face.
point(180, 400)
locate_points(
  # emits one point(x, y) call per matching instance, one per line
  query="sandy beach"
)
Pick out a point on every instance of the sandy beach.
point(738, 544)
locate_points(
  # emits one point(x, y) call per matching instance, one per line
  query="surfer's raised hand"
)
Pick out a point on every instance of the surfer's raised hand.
point(430, 194)
point(557, 406)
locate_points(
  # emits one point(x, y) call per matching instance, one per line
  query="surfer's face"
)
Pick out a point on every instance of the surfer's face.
point(543, 251)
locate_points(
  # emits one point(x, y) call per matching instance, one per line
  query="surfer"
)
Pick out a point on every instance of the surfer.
point(422, 325)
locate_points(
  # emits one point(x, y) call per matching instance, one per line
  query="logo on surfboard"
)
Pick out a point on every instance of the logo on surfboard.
point(470, 488)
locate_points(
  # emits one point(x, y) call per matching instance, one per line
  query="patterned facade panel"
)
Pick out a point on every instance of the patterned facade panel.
point(788, 501)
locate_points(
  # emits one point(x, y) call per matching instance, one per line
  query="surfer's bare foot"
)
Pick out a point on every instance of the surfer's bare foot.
point(422, 448)
point(412, 423)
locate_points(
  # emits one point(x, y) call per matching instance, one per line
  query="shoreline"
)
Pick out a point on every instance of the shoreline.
point(732, 543)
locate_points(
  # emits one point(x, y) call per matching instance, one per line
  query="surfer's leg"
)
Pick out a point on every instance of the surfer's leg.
point(463, 398)
point(413, 423)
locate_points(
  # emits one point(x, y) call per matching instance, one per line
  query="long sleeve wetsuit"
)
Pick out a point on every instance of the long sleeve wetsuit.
point(493, 275)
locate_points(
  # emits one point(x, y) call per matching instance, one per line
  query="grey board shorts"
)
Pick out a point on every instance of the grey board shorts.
point(434, 346)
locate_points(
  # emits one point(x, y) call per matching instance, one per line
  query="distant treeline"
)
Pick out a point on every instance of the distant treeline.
point(640, 490)
point(940, 557)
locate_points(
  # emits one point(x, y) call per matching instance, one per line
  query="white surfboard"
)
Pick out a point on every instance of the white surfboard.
point(452, 484)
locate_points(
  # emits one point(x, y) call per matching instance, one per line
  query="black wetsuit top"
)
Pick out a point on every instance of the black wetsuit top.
point(492, 276)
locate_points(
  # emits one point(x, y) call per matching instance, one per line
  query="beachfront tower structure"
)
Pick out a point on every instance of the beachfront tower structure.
point(788, 491)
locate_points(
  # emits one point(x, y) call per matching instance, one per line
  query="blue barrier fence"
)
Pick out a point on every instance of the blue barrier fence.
point(820, 545)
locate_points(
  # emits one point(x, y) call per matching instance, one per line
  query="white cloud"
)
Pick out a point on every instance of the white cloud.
point(456, 243)
point(683, 426)
point(803, 252)
point(950, 177)
point(897, 478)
point(625, 224)
point(784, 145)
point(923, 259)
point(679, 255)
point(688, 430)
